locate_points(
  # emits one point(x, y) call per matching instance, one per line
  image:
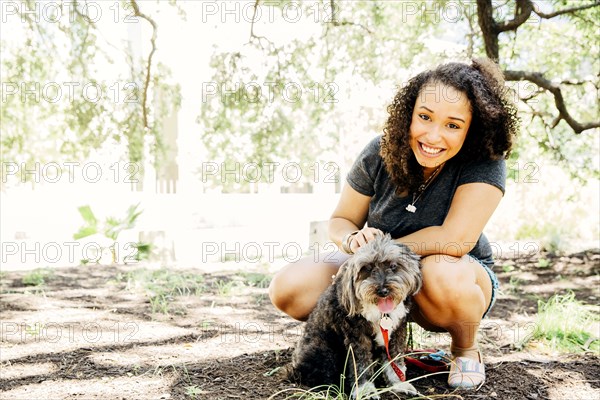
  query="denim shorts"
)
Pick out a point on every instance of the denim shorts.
point(487, 264)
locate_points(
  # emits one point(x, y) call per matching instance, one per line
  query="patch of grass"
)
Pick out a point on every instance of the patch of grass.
point(317, 393)
point(193, 391)
point(228, 287)
point(256, 279)
point(337, 392)
point(162, 286)
point(514, 284)
point(564, 324)
point(33, 330)
point(177, 283)
point(550, 235)
point(261, 299)
point(205, 325)
point(37, 277)
point(241, 280)
point(508, 268)
point(160, 303)
point(231, 257)
point(223, 287)
point(137, 369)
point(543, 263)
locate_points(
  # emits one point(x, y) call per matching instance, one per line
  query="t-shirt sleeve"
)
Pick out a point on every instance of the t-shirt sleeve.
point(489, 171)
point(363, 173)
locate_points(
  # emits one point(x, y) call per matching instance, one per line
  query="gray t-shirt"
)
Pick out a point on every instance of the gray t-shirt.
point(387, 210)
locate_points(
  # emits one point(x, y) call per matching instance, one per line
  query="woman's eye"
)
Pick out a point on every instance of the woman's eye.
point(453, 126)
point(424, 117)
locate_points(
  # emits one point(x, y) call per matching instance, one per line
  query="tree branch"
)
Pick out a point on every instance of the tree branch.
point(565, 11)
point(576, 83)
point(335, 22)
point(342, 23)
point(522, 14)
point(489, 28)
point(254, 36)
point(539, 79)
point(526, 7)
point(139, 14)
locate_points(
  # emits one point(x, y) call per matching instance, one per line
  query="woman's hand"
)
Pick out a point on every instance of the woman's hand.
point(349, 215)
point(362, 237)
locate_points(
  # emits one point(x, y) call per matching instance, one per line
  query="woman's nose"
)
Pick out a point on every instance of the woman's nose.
point(433, 134)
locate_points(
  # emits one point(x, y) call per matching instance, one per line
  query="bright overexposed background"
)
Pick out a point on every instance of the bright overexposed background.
point(196, 227)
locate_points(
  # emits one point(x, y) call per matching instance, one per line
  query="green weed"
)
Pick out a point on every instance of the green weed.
point(162, 286)
point(160, 303)
point(508, 268)
point(111, 227)
point(34, 330)
point(256, 279)
point(543, 263)
point(514, 284)
point(550, 235)
point(37, 277)
point(565, 324)
point(226, 288)
point(193, 391)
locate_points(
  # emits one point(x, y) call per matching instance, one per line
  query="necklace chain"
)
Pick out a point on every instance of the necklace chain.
point(417, 195)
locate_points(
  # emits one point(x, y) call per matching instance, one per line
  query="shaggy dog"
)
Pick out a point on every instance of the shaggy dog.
point(372, 290)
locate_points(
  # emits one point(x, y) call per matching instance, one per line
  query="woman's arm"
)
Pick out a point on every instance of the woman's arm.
point(471, 208)
point(351, 215)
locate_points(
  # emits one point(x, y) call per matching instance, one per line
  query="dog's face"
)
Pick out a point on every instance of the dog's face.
point(381, 273)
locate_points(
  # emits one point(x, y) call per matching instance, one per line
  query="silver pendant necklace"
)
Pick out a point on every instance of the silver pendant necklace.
point(417, 195)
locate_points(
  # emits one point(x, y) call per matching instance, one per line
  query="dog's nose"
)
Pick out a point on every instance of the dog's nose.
point(383, 291)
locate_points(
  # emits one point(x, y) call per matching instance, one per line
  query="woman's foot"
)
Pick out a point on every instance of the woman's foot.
point(467, 370)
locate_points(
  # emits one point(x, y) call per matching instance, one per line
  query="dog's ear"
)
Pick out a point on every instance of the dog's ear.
point(411, 264)
point(414, 264)
point(346, 286)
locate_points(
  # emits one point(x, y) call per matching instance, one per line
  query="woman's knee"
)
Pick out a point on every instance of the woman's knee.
point(446, 279)
point(281, 288)
point(444, 271)
point(295, 289)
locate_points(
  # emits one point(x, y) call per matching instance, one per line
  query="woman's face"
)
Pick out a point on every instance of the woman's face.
point(439, 126)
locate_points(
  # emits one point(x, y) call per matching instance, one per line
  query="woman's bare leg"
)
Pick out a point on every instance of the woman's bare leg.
point(297, 287)
point(455, 294)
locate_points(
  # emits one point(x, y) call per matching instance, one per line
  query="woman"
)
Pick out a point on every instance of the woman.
point(432, 181)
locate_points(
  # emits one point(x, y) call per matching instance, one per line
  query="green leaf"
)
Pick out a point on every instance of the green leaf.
point(132, 216)
point(85, 231)
point(91, 223)
point(112, 228)
point(88, 215)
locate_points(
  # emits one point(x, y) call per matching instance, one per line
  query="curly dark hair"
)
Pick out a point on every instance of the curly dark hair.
point(494, 119)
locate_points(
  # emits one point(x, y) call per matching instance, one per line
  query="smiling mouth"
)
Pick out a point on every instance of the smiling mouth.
point(430, 151)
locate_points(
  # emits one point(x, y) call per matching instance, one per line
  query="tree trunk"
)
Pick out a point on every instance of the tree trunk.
point(488, 27)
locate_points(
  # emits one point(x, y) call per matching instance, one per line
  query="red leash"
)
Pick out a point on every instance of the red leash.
point(396, 369)
point(431, 360)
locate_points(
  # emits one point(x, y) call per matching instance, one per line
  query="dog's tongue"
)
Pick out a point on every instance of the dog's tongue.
point(385, 305)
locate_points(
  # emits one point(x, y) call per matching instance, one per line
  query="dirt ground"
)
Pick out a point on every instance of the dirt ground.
point(124, 332)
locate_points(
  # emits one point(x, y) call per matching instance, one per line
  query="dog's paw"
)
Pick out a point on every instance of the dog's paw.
point(404, 387)
point(390, 374)
point(365, 391)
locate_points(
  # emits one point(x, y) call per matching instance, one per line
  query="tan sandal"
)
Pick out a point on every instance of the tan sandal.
point(466, 373)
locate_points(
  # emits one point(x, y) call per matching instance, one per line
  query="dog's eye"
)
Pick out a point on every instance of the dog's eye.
point(393, 267)
point(366, 271)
